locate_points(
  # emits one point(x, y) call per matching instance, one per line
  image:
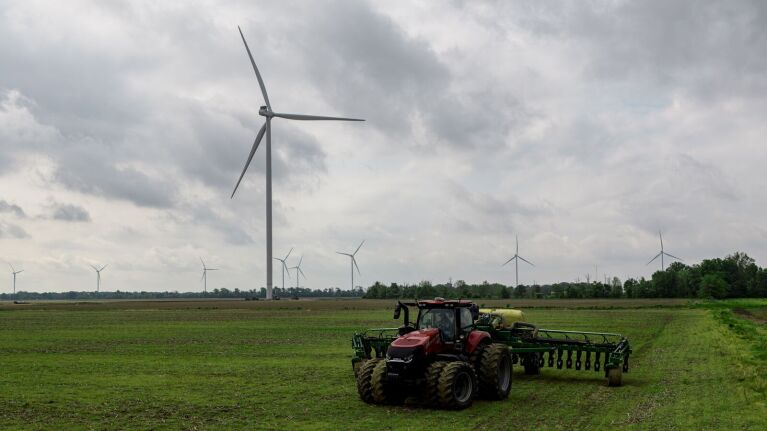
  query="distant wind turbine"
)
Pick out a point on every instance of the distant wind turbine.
point(298, 271)
point(516, 259)
point(353, 261)
point(14, 272)
point(266, 112)
point(204, 278)
point(662, 253)
point(98, 276)
point(284, 267)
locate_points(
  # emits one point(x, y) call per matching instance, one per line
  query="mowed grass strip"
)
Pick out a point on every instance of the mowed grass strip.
point(139, 367)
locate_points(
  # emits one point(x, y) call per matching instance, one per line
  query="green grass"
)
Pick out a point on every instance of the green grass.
point(285, 365)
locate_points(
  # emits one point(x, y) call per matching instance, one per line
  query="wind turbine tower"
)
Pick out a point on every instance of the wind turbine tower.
point(353, 261)
point(204, 278)
point(268, 114)
point(298, 271)
point(662, 254)
point(516, 259)
point(98, 276)
point(14, 272)
point(285, 267)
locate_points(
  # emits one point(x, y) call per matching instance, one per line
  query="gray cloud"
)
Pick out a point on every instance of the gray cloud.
point(69, 212)
point(10, 230)
point(14, 209)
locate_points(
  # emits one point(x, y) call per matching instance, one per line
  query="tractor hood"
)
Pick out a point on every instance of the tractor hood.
point(420, 338)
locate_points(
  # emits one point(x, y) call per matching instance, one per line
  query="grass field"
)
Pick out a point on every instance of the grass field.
point(285, 365)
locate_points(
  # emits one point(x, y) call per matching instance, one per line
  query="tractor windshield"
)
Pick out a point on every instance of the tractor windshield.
point(440, 318)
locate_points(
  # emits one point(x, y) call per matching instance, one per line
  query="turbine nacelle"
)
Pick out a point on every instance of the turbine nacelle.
point(265, 112)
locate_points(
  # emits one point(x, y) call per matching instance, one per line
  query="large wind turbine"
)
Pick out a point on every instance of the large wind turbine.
point(268, 114)
point(204, 278)
point(516, 259)
point(354, 261)
point(661, 254)
point(14, 272)
point(98, 276)
point(298, 271)
point(285, 267)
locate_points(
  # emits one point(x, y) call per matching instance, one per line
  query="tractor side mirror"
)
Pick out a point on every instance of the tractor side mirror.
point(400, 306)
point(474, 311)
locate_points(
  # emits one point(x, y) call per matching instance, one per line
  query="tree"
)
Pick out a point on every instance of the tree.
point(713, 286)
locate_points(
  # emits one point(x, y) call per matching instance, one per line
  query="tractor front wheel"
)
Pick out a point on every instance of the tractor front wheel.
point(364, 380)
point(383, 391)
point(494, 372)
point(432, 375)
point(457, 385)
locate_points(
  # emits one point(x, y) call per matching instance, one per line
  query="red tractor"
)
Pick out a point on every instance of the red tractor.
point(443, 359)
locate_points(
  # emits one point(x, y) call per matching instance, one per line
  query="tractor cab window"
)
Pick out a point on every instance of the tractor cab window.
point(466, 320)
point(440, 318)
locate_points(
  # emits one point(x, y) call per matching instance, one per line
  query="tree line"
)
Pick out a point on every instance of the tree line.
point(735, 276)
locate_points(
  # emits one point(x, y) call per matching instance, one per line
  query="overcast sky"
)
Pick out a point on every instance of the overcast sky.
point(582, 127)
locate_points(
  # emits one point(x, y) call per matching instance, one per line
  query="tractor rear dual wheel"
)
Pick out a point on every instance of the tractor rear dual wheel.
point(457, 385)
point(532, 364)
point(494, 370)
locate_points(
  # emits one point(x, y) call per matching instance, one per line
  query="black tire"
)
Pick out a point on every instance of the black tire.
point(457, 385)
point(383, 391)
point(494, 372)
point(357, 366)
point(431, 391)
point(615, 376)
point(364, 380)
point(531, 364)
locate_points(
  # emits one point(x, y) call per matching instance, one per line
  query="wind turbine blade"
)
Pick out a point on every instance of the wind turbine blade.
point(202, 261)
point(212, 269)
point(203, 274)
point(300, 261)
point(504, 264)
point(358, 248)
point(671, 255)
point(288, 255)
point(285, 267)
point(661, 240)
point(525, 260)
point(12, 268)
point(302, 273)
point(313, 117)
point(255, 68)
point(94, 268)
point(102, 268)
point(356, 266)
point(656, 256)
point(19, 272)
point(250, 157)
point(345, 254)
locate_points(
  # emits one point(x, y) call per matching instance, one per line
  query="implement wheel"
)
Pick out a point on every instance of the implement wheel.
point(494, 372)
point(532, 364)
point(364, 380)
point(457, 385)
point(383, 391)
point(431, 391)
point(615, 376)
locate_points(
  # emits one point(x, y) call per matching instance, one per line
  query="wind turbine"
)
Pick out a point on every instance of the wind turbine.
point(98, 276)
point(661, 254)
point(354, 261)
point(285, 267)
point(204, 278)
point(298, 271)
point(268, 114)
point(14, 272)
point(516, 259)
